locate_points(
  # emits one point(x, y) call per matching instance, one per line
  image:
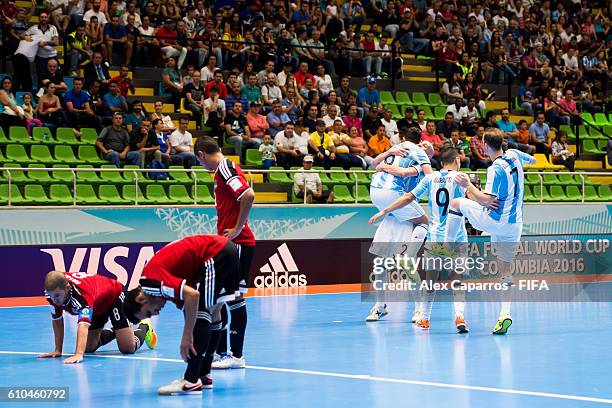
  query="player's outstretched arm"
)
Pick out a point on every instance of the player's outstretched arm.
point(398, 171)
point(397, 150)
point(399, 203)
point(81, 344)
point(191, 299)
point(58, 334)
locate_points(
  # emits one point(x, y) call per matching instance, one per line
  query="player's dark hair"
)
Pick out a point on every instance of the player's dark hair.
point(131, 307)
point(412, 135)
point(494, 139)
point(448, 155)
point(207, 145)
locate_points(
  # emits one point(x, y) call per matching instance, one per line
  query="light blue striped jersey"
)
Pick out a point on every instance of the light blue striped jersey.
point(506, 181)
point(416, 157)
point(441, 188)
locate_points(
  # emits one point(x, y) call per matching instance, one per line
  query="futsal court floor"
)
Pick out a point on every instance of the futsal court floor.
point(317, 351)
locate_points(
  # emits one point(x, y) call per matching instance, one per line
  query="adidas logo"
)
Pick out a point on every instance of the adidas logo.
point(280, 271)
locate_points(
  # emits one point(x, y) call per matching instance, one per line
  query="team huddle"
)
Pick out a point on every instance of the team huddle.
point(207, 275)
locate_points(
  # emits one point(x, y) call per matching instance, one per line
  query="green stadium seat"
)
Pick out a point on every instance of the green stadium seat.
point(16, 198)
point(570, 132)
point(439, 112)
point(65, 154)
point(386, 98)
point(61, 176)
point(550, 179)
point(39, 176)
point(589, 146)
point(86, 195)
point(435, 99)
point(402, 98)
point(132, 193)
point(202, 195)
point(339, 178)
point(89, 155)
point(178, 194)
point(205, 177)
point(528, 195)
point(87, 177)
point(66, 136)
point(279, 177)
point(3, 139)
point(590, 194)
point(88, 136)
point(428, 113)
point(605, 193)
point(17, 153)
point(362, 178)
point(42, 154)
point(16, 176)
point(323, 176)
point(19, 134)
point(131, 176)
point(596, 134)
point(607, 129)
point(43, 135)
point(601, 119)
point(155, 194)
point(342, 195)
point(60, 194)
point(111, 177)
point(395, 112)
point(557, 193)
point(362, 193)
point(110, 194)
point(573, 193)
point(418, 98)
point(253, 158)
point(567, 179)
point(587, 117)
point(34, 194)
point(180, 177)
point(541, 193)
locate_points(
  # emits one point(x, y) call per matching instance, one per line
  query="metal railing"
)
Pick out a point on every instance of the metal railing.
point(139, 177)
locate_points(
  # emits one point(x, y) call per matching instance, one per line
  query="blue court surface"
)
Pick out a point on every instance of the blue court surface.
point(317, 351)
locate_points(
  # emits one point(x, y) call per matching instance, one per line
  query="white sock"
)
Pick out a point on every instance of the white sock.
point(454, 222)
point(505, 308)
point(459, 302)
point(428, 300)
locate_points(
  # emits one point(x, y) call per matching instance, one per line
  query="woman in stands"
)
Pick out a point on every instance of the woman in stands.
point(173, 82)
point(248, 70)
point(471, 89)
point(451, 89)
point(10, 113)
point(560, 151)
point(49, 108)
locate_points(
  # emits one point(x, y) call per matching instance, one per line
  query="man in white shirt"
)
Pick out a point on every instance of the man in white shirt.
point(132, 11)
point(214, 111)
point(571, 62)
point(455, 109)
point(331, 117)
point(24, 55)
point(271, 92)
point(181, 143)
point(208, 71)
point(470, 111)
point(95, 11)
point(290, 148)
point(390, 127)
point(309, 184)
point(48, 40)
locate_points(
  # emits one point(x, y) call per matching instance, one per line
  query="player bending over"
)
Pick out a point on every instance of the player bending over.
point(498, 210)
point(234, 198)
point(198, 274)
point(399, 170)
point(95, 299)
point(441, 188)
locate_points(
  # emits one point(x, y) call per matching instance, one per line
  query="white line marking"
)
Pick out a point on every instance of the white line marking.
point(366, 377)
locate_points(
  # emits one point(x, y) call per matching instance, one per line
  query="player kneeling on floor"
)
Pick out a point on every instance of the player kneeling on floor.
point(197, 273)
point(95, 299)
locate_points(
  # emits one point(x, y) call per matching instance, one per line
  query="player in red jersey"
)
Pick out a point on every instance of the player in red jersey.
point(94, 299)
point(198, 273)
point(233, 199)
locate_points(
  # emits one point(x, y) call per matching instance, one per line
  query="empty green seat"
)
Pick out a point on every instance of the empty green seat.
point(132, 193)
point(86, 195)
point(202, 195)
point(12, 196)
point(279, 176)
point(39, 176)
point(339, 178)
point(65, 154)
point(573, 193)
point(557, 193)
point(541, 193)
point(178, 194)
point(3, 139)
point(418, 98)
point(19, 134)
point(550, 179)
point(90, 177)
point(60, 194)
point(155, 194)
point(342, 195)
point(16, 176)
point(362, 193)
point(111, 177)
point(395, 112)
point(34, 194)
point(601, 120)
point(435, 99)
point(590, 194)
point(42, 154)
point(17, 153)
point(42, 135)
point(439, 112)
point(566, 179)
point(528, 195)
point(88, 136)
point(253, 157)
point(325, 179)
point(604, 193)
point(386, 98)
point(402, 98)
point(66, 136)
point(180, 176)
point(109, 193)
point(362, 178)
point(587, 117)
point(61, 176)
point(89, 155)
point(205, 177)
point(589, 146)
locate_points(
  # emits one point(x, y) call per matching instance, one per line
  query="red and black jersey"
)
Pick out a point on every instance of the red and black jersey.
point(90, 295)
point(180, 263)
point(230, 186)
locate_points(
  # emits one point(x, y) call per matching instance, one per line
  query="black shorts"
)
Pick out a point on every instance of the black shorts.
point(220, 279)
point(246, 259)
point(116, 315)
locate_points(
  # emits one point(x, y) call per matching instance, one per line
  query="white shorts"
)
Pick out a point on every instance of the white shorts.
point(382, 198)
point(504, 235)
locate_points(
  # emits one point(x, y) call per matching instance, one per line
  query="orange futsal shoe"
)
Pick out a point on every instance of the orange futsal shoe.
point(423, 324)
point(461, 325)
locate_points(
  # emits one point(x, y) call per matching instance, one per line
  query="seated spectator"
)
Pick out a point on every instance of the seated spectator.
point(568, 111)
point(454, 142)
point(96, 70)
point(53, 74)
point(455, 109)
point(214, 111)
point(48, 39)
point(277, 119)
point(194, 98)
point(539, 133)
point(115, 38)
point(331, 116)
point(134, 119)
point(258, 125)
point(523, 135)
point(379, 143)
point(181, 143)
point(429, 135)
point(391, 128)
point(10, 113)
point(291, 147)
point(78, 49)
point(251, 90)
point(167, 123)
point(218, 82)
point(359, 148)
point(144, 141)
point(421, 121)
point(371, 55)
point(236, 95)
point(267, 150)
point(262, 76)
point(311, 114)
point(526, 97)
point(445, 127)
point(270, 91)
point(511, 132)
point(451, 89)
point(162, 141)
point(114, 143)
point(173, 82)
point(369, 96)
point(28, 113)
point(124, 81)
point(308, 184)
point(408, 120)
point(471, 89)
point(322, 147)
point(302, 74)
point(570, 61)
point(342, 143)
point(343, 91)
point(170, 47)
point(324, 82)
point(149, 52)
point(471, 112)
point(370, 123)
point(114, 101)
point(49, 108)
point(208, 71)
point(479, 159)
point(318, 55)
point(80, 112)
point(237, 130)
point(560, 151)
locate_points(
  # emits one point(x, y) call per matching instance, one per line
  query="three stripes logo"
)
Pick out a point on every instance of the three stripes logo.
point(280, 271)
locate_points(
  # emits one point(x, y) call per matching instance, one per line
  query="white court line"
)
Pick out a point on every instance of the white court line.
point(365, 377)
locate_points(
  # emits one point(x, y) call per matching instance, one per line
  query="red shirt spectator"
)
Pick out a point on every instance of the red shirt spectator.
point(429, 135)
point(302, 74)
point(568, 105)
point(353, 121)
point(167, 30)
point(220, 85)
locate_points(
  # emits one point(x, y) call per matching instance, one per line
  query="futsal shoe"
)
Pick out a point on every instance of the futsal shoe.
point(181, 387)
point(461, 325)
point(207, 382)
point(417, 316)
point(228, 361)
point(377, 313)
point(423, 324)
point(151, 336)
point(504, 322)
